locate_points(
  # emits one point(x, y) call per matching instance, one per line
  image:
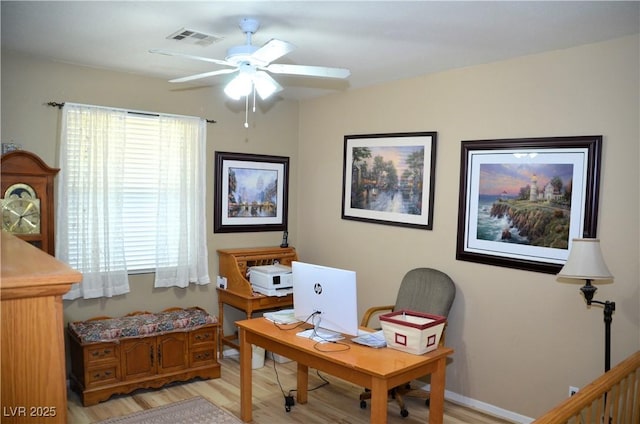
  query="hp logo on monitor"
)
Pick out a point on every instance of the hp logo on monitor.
point(317, 287)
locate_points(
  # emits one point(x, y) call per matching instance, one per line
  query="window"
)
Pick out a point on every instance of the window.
point(131, 198)
point(141, 194)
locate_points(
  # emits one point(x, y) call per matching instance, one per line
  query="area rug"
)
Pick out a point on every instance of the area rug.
point(196, 410)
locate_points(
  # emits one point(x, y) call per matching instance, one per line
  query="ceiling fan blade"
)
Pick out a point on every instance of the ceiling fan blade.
point(272, 50)
point(189, 56)
point(311, 71)
point(204, 75)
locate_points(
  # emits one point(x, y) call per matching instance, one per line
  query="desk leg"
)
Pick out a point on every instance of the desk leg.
point(379, 398)
point(245, 378)
point(436, 404)
point(303, 382)
point(220, 328)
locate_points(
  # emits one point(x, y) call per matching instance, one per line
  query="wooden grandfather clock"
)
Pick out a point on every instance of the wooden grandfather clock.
point(26, 187)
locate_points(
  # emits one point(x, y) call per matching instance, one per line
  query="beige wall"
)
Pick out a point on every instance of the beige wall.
point(28, 84)
point(521, 338)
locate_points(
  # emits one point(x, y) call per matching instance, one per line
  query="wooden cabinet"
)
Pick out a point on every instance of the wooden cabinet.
point(172, 353)
point(234, 264)
point(150, 356)
point(103, 364)
point(102, 369)
point(138, 358)
point(202, 347)
point(33, 388)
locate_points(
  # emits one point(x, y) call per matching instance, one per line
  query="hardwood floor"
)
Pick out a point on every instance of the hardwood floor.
point(334, 402)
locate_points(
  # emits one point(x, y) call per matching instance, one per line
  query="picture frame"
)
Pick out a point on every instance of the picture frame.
point(251, 192)
point(522, 201)
point(389, 178)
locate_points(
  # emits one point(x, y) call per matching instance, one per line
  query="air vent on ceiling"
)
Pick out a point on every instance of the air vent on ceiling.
point(194, 37)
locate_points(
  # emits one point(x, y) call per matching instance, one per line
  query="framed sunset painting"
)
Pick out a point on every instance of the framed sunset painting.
point(522, 201)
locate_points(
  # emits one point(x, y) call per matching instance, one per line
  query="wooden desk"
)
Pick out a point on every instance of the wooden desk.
point(233, 264)
point(377, 369)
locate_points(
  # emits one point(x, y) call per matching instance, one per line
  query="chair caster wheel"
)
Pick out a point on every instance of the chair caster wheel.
point(404, 413)
point(363, 404)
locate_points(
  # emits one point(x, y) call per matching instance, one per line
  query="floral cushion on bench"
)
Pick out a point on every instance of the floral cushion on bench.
point(147, 324)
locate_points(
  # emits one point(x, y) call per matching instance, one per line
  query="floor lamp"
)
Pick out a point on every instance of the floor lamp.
point(585, 262)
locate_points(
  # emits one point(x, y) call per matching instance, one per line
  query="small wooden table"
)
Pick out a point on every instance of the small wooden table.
point(234, 265)
point(248, 303)
point(377, 369)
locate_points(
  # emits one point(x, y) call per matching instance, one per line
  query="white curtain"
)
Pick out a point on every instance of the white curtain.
point(183, 225)
point(92, 186)
point(89, 212)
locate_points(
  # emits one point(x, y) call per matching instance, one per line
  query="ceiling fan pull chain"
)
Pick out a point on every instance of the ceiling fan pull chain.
point(246, 112)
point(254, 98)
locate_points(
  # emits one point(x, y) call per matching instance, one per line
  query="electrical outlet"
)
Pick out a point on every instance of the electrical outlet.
point(573, 390)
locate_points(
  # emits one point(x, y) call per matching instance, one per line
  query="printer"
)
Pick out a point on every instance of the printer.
point(271, 280)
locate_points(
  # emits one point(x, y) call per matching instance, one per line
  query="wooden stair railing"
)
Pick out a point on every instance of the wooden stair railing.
point(615, 394)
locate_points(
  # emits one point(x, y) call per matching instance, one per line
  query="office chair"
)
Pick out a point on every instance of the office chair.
point(424, 290)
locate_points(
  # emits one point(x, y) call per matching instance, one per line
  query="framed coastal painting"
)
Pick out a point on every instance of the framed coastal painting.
point(522, 201)
point(251, 192)
point(389, 178)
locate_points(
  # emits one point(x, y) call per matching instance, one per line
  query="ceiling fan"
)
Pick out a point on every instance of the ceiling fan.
point(254, 65)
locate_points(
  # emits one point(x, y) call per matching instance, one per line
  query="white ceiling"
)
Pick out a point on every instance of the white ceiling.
point(378, 41)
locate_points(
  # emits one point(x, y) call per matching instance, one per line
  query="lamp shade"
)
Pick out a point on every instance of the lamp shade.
point(265, 85)
point(585, 261)
point(240, 86)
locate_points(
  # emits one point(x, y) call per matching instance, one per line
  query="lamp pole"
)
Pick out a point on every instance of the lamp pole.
point(588, 290)
point(609, 307)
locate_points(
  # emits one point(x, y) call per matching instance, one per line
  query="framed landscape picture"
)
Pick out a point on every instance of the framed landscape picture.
point(389, 178)
point(251, 192)
point(523, 200)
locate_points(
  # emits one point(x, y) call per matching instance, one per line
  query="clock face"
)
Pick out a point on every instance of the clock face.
point(21, 216)
point(21, 210)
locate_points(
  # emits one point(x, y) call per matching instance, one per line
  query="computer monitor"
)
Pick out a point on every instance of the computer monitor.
point(329, 291)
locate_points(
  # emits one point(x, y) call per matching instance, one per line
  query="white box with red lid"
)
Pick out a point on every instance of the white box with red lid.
point(411, 331)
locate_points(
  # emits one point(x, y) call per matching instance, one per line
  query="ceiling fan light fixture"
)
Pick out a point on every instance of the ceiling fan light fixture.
point(239, 87)
point(265, 85)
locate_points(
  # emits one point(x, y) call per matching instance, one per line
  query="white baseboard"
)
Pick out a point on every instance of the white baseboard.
point(480, 406)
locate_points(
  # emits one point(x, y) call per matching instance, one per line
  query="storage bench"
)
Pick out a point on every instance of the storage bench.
point(141, 350)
